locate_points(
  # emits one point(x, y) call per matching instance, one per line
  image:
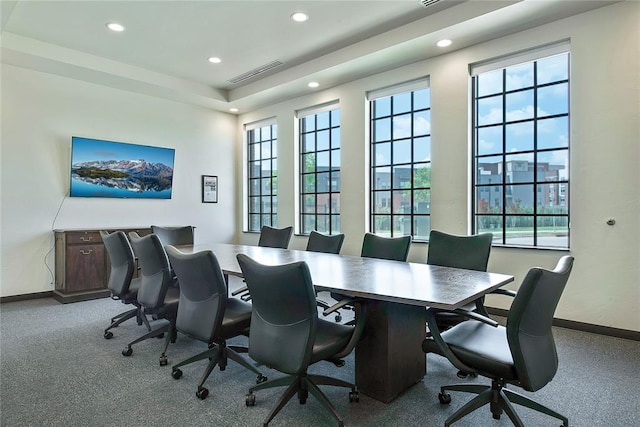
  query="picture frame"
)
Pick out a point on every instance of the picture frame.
point(209, 189)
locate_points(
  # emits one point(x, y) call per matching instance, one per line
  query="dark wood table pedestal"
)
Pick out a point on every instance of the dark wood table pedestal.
point(389, 357)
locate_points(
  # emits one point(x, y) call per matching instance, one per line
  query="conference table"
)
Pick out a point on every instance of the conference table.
point(389, 357)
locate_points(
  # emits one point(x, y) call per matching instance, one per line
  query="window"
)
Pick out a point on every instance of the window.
point(262, 142)
point(320, 170)
point(521, 151)
point(401, 160)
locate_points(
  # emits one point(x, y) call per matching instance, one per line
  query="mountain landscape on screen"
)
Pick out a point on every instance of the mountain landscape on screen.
point(112, 169)
point(132, 175)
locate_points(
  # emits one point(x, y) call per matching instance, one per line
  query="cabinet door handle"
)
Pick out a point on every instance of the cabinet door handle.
point(85, 239)
point(83, 252)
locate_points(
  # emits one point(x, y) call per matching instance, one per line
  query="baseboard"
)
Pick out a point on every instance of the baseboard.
point(80, 296)
point(35, 295)
point(581, 326)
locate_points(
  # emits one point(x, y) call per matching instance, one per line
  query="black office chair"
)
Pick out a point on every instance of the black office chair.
point(391, 248)
point(158, 293)
point(468, 252)
point(174, 236)
point(523, 353)
point(269, 238)
point(373, 246)
point(275, 237)
point(206, 314)
point(287, 335)
point(329, 244)
point(121, 283)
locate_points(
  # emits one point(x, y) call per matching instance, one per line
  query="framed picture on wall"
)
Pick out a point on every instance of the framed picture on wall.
point(209, 189)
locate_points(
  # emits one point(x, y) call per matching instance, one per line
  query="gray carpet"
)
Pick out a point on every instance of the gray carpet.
point(58, 370)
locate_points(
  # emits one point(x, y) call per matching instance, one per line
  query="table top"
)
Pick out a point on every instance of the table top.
point(371, 278)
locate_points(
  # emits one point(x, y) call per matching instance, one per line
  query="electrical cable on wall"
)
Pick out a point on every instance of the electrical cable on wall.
point(53, 224)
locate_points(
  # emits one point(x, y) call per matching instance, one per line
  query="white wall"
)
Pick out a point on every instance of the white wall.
point(604, 288)
point(40, 113)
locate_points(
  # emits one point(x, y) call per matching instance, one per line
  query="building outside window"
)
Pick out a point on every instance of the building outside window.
point(400, 120)
point(262, 173)
point(320, 169)
point(521, 149)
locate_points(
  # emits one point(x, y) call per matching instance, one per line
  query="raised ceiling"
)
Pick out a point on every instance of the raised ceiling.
point(165, 47)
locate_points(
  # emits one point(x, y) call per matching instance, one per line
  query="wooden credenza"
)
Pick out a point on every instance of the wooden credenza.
point(82, 263)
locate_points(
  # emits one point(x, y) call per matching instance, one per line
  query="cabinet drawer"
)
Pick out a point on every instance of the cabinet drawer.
point(86, 268)
point(85, 237)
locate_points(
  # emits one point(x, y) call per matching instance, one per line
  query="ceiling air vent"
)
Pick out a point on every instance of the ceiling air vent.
point(427, 3)
point(255, 72)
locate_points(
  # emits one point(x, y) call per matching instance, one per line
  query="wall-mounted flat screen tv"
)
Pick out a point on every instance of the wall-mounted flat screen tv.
point(120, 170)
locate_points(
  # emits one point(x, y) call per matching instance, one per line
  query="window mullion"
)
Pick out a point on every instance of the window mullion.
point(504, 157)
point(536, 178)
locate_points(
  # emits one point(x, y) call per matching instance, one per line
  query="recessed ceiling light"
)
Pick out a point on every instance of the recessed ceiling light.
point(443, 43)
point(214, 60)
point(233, 110)
point(114, 26)
point(299, 16)
point(313, 84)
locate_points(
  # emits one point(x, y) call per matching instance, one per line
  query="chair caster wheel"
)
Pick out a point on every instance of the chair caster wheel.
point(163, 360)
point(444, 398)
point(261, 379)
point(302, 396)
point(250, 400)
point(176, 374)
point(127, 351)
point(354, 396)
point(108, 335)
point(462, 374)
point(202, 393)
point(338, 318)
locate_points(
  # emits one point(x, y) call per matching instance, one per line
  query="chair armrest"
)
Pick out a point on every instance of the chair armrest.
point(360, 320)
point(240, 290)
point(437, 337)
point(322, 304)
point(337, 306)
point(174, 281)
point(244, 290)
point(472, 315)
point(506, 292)
point(480, 308)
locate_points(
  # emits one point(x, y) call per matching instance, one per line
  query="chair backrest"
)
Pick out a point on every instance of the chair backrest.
point(330, 244)
point(284, 314)
point(275, 237)
point(203, 293)
point(155, 272)
point(529, 324)
point(391, 248)
point(174, 235)
point(122, 261)
point(469, 252)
